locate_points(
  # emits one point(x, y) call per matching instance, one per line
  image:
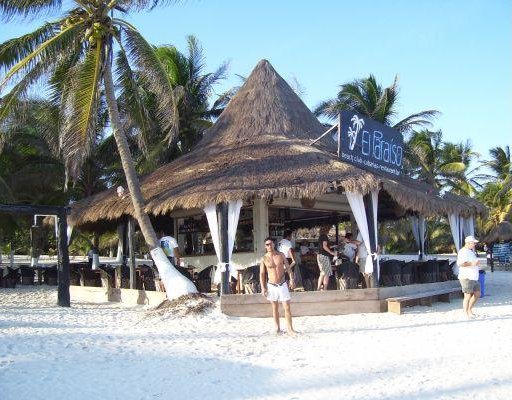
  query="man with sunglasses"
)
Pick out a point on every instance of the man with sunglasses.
point(275, 289)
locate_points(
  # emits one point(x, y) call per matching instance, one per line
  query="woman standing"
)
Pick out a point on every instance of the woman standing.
point(324, 258)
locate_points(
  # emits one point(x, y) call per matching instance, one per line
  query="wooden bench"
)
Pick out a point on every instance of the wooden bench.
point(395, 304)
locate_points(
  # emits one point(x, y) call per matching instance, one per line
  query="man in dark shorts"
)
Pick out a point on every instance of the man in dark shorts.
point(467, 261)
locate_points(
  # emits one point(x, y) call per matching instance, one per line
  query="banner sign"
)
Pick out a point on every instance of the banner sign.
point(371, 145)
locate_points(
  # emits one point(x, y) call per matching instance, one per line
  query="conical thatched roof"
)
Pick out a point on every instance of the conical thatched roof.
point(259, 147)
point(502, 232)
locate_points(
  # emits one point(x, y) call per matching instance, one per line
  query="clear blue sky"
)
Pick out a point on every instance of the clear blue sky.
point(454, 56)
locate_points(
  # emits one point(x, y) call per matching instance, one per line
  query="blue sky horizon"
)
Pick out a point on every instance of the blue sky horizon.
point(453, 56)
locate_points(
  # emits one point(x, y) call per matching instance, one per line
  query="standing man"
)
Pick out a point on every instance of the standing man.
point(467, 262)
point(274, 264)
point(285, 247)
point(170, 247)
point(323, 258)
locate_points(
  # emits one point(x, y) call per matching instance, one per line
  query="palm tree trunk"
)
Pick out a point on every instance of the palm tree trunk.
point(175, 284)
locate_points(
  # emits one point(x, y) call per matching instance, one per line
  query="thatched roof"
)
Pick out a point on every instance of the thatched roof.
point(465, 205)
point(502, 232)
point(259, 147)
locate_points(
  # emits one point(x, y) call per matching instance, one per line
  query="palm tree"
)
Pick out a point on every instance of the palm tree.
point(76, 51)
point(497, 193)
point(367, 97)
point(30, 169)
point(500, 162)
point(186, 75)
point(444, 165)
point(499, 203)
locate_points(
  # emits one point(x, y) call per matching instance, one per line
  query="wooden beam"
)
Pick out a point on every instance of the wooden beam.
point(131, 249)
point(368, 206)
point(63, 297)
point(32, 209)
point(222, 217)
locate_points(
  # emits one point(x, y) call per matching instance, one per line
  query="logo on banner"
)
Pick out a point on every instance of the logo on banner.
point(353, 131)
point(371, 144)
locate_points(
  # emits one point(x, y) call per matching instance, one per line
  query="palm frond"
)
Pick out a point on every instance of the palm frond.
point(27, 8)
point(154, 77)
point(329, 109)
point(14, 50)
point(48, 52)
point(130, 97)
point(79, 125)
point(419, 120)
point(11, 103)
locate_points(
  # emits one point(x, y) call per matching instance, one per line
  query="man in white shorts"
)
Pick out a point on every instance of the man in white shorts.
point(467, 261)
point(274, 264)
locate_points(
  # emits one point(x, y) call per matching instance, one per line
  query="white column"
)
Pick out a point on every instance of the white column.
point(260, 224)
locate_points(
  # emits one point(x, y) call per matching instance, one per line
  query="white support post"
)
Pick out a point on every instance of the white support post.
point(260, 224)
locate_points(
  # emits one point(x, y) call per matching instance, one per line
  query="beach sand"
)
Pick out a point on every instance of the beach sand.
point(113, 351)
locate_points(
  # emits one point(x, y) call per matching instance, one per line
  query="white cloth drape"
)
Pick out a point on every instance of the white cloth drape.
point(455, 228)
point(468, 226)
point(233, 216)
point(454, 221)
point(213, 223)
point(120, 243)
point(211, 215)
point(69, 232)
point(414, 220)
point(357, 206)
point(419, 231)
point(375, 203)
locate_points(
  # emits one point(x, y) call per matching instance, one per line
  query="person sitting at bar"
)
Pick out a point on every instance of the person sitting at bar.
point(304, 248)
point(350, 247)
point(324, 258)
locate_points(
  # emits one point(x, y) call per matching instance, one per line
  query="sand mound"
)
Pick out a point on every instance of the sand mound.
point(191, 304)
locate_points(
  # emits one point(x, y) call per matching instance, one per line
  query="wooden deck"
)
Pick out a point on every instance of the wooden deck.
point(128, 296)
point(332, 302)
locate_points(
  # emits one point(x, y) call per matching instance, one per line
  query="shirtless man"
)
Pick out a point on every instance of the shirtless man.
point(275, 290)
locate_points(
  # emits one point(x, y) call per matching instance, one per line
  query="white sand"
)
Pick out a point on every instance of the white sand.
point(111, 351)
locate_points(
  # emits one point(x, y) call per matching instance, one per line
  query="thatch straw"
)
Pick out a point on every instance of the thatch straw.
point(501, 232)
point(190, 304)
point(258, 148)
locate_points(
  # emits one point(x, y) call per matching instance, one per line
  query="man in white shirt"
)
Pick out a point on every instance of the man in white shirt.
point(467, 261)
point(170, 247)
point(285, 246)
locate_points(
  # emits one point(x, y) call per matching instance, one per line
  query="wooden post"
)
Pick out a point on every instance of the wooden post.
point(63, 296)
point(368, 206)
point(421, 255)
point(222, 216)
point(131, 242)
point(339, 134)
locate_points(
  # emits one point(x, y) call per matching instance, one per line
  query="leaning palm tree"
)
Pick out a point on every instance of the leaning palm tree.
point(76, 52)
point(367, 97)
